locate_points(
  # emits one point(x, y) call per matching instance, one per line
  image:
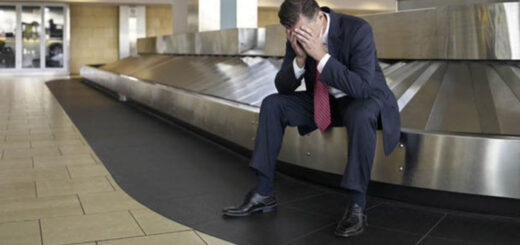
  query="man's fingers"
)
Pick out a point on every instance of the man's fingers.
point(303, 34)
point(302, 38)
point(306, 30)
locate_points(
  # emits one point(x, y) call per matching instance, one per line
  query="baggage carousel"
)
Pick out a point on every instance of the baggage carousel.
point(460, 116)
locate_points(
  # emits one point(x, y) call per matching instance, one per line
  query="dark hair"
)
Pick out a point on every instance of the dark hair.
point(290, 11)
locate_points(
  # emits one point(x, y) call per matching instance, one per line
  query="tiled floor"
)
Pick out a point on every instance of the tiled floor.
point(188, 178)
point(53, 187)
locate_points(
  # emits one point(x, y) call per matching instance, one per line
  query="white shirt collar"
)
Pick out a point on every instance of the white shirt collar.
point(326, 34)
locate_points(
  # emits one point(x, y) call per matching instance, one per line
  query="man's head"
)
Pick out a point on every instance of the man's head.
point(297, 13)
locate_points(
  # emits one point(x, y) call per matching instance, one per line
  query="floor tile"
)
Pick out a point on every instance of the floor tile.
point(66, 136)
point(154, 223)
point(211, 240)
point(442, 241)
point(55, 161)
point(32, 152)
point(403, 218)
point(16, 163)
point(371, 235)
point(17, 190)
point(46, 143)
point(75, 149)
point(185, 237)
point(12, 132)
point(272, 228)
point(108, 201)
point(73, 186)
point(33, 137)
point(331, 204)
point(32, 208)
point(31, 174)
point(20, 233)
point(89, 170)
point(87, 228)
point(482, 229)
point(15, 145)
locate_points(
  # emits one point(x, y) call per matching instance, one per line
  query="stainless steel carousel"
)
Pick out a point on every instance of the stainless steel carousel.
point(453, 70)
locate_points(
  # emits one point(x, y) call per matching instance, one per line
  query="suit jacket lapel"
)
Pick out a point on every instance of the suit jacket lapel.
point(335, 31)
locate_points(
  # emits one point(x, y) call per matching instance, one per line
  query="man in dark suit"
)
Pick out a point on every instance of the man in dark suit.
point(345, 86)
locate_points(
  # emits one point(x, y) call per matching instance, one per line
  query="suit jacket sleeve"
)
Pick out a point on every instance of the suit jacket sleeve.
point(356, 80)
point(285, 80)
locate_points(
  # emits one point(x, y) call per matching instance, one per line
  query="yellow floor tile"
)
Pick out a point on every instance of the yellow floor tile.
point(43, 130)
point(15, 145)
point(16, 163)
point(32, 208)
point(107, 201)
point(73, 186)
point(40, 162)
point(32, 137)
point(87, 228)
point(31, 174)
point(113, 183)
point(64, 124)
point(74, 149)
point(20, 233)
point(154, 223)
point(32, 152)
point(88, 170)
point(15, 132)
point(184, 238)
point(17, 190)
point(211, 240)
point(55, 143)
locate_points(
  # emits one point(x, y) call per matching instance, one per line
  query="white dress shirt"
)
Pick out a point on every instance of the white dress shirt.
point(298, 72)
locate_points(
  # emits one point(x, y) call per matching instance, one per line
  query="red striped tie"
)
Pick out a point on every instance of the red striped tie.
point(321, 103)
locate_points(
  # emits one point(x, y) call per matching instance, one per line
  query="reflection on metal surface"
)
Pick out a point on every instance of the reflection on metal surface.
point(460, 119)
point(481, 31)
point(235, 41)
point(418, 4)
point(465, 32)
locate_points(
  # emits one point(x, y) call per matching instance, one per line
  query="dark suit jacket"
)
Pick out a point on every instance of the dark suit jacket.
point(352, 68)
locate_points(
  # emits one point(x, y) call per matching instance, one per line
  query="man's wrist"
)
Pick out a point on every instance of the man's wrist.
point(321, 55)
point(298, 71)
point(322, 62)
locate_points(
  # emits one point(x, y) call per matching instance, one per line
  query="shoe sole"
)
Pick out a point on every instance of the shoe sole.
point(263, 210)
point(351, 234)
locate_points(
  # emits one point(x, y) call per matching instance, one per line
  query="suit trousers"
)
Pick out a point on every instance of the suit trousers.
point(359, 116)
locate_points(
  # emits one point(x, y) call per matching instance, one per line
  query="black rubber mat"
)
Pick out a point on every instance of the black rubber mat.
point(189, 179)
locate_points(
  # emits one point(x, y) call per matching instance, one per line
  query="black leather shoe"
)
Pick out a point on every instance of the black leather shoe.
point(253, 202)
point(352, 223)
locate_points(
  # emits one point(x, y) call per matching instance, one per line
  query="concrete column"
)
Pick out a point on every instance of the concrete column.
point(180, 16)
point(132, 25)
point(238, 14)
point(208, 15)
point(195, 15)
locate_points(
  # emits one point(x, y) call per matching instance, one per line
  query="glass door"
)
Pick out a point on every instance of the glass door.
point(31, 30)
point(33, 38)
point(7, 37)
point(54, 29)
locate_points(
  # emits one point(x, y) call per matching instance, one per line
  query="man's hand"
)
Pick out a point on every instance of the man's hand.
point(312, 42)
point(301, 56)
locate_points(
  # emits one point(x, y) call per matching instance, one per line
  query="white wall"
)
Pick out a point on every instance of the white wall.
point(387, 5)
